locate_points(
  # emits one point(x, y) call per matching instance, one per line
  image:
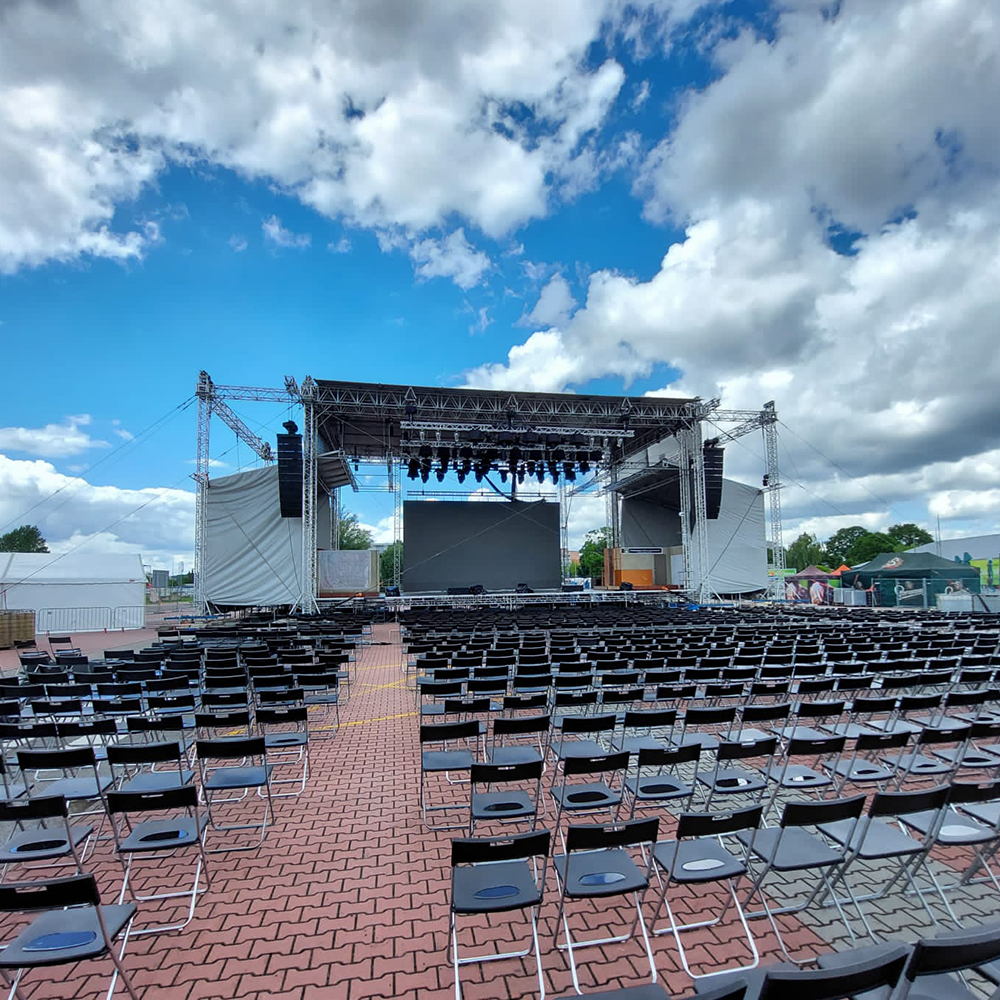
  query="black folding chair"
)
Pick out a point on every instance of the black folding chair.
point(659, 777)
point(73, 926)
point(511, 805)
point(159, 838)
point(498, 875)
point(52, 837)
point(597, 866)
point(450, 759)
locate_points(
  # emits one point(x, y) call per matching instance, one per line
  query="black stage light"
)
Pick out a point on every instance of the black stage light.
point(520, 474)
point(465, 453)
point(479, 474)
point(413, 468)
point(291, 427)
point(440, 475)
point(541, 474)
point(531, 467)
point(585, 466)
point(425, 451)
point(424, 475)
point(596, 456)
point(503, 475)
point(555, 475)
point(558, 455)
point(568, 472)
point(461, 476)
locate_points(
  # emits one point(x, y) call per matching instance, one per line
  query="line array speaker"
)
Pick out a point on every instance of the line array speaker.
point(290, 474)
point(713, 480)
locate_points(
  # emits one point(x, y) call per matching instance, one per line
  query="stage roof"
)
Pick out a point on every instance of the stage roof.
point(370, 420)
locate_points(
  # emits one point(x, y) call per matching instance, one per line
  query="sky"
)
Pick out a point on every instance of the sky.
point(796, 201)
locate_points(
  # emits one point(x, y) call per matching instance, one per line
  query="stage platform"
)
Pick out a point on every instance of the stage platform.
point(510, 599)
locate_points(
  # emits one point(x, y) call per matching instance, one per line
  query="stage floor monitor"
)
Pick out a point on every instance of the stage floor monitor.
point(453, 544)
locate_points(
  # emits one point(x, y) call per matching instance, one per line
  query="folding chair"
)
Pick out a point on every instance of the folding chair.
point(864, 766)
point(80, 780)
point(698, 857)
point(597, 865)
point(517, 804)
point(445, 762)
point(159, 838)
point(73, 926)
point(133, 766)
point(593, 796)
point(639, 725)
point(726, 780)
point(242, 777)
point(658, 778)
point(11, 789)
point(286, 735)
point(791, 847)
point(520, 739)
point(498, 875)
point(875, 839)
point(42, 843)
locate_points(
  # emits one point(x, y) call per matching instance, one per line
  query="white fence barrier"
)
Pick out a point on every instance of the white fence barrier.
point(71, 620)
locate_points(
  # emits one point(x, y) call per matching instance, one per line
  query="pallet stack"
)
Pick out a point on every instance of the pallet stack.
point(16, 626)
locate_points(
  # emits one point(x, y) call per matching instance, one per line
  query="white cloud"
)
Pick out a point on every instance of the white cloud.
point(124, 434)
point(378, 113)
point(451, 257)
point(381, 530)
point(555, 304)
point(641, 95)
point(237, 243)
point(343, 245)
point(52, 440)
point(68, 509)
point(882, 358)
point(274, 232)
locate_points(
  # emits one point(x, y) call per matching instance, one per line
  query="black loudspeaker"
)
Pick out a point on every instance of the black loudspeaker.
point(625, 585)
point(290, 474)
point(392, 591)
point(523, 588)
point(712, 454)
point(477, 590)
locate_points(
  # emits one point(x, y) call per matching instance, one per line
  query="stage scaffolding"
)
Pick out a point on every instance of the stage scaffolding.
point(387, 426)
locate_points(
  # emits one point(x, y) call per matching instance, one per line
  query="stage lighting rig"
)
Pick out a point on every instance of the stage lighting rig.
point(413, 468)
point(569, 472)
point(540, 474)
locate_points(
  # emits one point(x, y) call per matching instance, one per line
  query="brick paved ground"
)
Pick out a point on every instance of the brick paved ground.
point(348, 897)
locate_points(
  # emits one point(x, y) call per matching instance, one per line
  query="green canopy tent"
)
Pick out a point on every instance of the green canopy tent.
point(912, 579)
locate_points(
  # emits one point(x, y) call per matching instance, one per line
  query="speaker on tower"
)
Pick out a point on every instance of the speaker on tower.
point(712, 456)
point(290, 471)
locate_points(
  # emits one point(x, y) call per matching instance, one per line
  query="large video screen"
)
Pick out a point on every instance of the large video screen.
point(499, 545)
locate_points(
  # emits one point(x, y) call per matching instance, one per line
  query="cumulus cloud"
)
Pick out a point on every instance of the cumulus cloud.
point(379, 113)
point(52, 440)
point(274, 232)
point(451, 257)
point(237, 243)
point(69, 508)
point(554, 305)
point(343, 245)
point(837, 191)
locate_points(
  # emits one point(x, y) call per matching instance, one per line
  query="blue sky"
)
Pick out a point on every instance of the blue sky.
point(743, 200)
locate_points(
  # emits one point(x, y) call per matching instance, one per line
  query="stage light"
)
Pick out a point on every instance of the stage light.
point(461, 476)
point(520, 474)
point(440, 475)
point(465, 453)
point(585, 466)
point(424, 475)
point(413, 468)
point(558, 455)
point(503, 475)
point(555, 475)
point(568, 472)
point(541, 474)
point(466, 466)
point(596, 456)
point(479, 475)
point(425, 451)
point(531, 467)
point(291, 427)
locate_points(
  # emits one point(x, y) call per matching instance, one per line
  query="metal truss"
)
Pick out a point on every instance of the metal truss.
point(307, 599)
point(487, 428)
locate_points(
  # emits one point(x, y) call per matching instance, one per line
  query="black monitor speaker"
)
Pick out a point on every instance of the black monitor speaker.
point(477, 590)
point(290, 474)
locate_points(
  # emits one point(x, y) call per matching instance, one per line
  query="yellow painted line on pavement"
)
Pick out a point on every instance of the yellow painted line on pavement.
point(379, 687)
point(381, 718)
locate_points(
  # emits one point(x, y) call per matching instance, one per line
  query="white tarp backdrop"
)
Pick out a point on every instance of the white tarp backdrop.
point(253, 555)
point(73, 587)
point(347, 571)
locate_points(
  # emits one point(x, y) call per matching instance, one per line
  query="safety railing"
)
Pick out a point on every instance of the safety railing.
point(72, 620)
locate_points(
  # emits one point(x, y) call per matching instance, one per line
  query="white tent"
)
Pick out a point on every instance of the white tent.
point(76, 592)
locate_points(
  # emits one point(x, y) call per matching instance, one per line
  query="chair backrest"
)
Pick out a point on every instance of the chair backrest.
point(124, 754)
point(954, 951)
point(669, 756)
point(77, 890)
point(593, 837)
point(487, 774)
point(219, 720)
point(804, 747)
point(876, 742)
point(589, 723)
point(42, 807)
point(713, 824)
point(871, 973)
point(480, 850)
point(603, 764)
point(823, 811)
point(521, 725)
point(906, 803)
point(39, 760)
point(745, 749)
point(181, 797)
point(442, 732)
point(282, 716)
point(230, 749)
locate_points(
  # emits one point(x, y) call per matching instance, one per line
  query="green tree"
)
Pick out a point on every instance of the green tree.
point(574, 568)
point(839, 543)
point(873, 543)
point(386, 562)
point(592, 552)
point(27, 538)
point(804, 551)
point(352, 535)
point(908, 536)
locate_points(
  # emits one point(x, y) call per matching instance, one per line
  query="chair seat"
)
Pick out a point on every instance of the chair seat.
point(633, 744)
point(801, 733)
point(164, 834)
point(955, 829)
point(797, 850)
point(985, 812)
point(754, 978)
point(237, 777)
point(651, 991)
point(946, 722)
point(852, 730)
point(917, 763)
point(940, 987)
point(732, 781)
point(593, 795)
point(446, 760)
point(862, 770)
point(579, 748)
point(76, 788)
point(599, 873)
point(658, 787)
point(275, 741)
point(41, 845)
point(702, 859)
point(494, 888)
point(969, 758)
point(707, 741)
point(896, 726)
point(12, 791)
point(157, 781)
point(880, 840)
point(77, 930)
point(515, 755)
point(798, 776)
point(502, 805)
